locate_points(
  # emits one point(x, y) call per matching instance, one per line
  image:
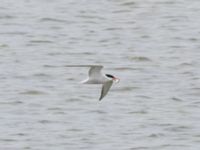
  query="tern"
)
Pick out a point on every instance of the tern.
point(96, 77)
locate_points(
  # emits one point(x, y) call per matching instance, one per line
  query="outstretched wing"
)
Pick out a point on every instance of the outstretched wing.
point(105, 88)
point(95, 71)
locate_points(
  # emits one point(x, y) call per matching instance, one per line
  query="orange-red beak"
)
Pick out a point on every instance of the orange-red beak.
point(116, 79)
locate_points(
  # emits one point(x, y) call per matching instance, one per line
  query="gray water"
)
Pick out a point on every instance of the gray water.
point(153, 46)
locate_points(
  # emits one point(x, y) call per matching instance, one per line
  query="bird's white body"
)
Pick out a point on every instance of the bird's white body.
point(93, 80)
point(96, 77)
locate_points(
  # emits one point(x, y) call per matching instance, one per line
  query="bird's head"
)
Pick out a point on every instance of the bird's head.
point(112, 78)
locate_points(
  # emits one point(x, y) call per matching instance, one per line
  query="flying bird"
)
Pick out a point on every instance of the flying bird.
point(96, 77)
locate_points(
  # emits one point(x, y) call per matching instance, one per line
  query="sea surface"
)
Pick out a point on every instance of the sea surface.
point(153, 46)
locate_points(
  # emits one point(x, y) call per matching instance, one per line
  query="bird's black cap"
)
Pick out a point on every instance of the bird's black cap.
point(109, 75)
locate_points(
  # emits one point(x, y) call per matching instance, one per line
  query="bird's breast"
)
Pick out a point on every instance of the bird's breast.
point(95, 81)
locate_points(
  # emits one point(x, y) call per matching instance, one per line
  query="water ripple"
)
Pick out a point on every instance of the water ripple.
point(140, 58)
point(33, 92)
